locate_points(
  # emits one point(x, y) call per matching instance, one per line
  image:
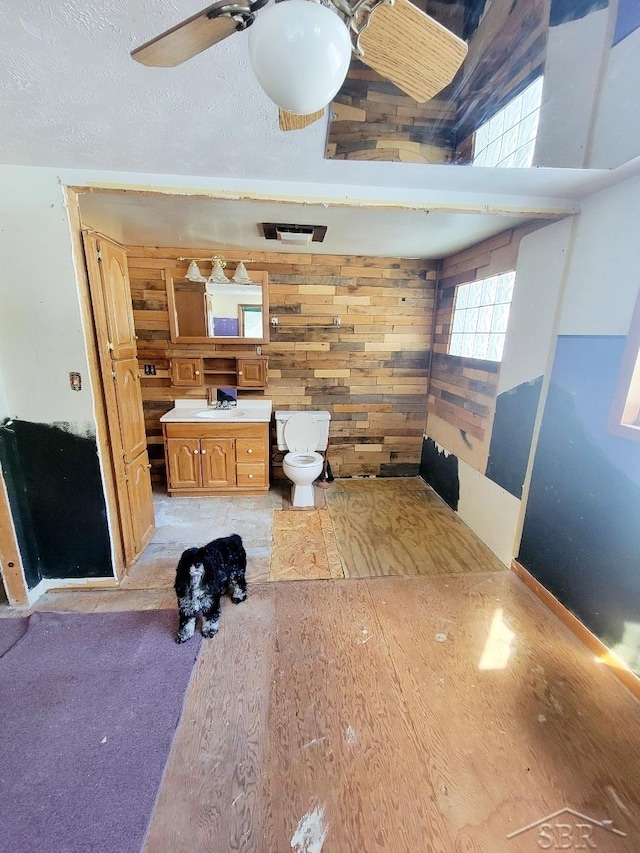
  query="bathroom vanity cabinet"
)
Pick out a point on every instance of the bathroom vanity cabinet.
point(221, 371)
point(216, 458)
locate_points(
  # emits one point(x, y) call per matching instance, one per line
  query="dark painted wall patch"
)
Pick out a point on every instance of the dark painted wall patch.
point(580, 536)
point(563, 11)
point(19, 503)
point(57, 500)
point(440, 470)
point(511, 435)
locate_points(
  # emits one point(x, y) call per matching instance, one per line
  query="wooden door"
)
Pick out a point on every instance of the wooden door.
point(115, 340)
point(252, 372)
point(117, 296)
point(218, 462)
point(141, 500)
point(129, 402)
point(183, 463)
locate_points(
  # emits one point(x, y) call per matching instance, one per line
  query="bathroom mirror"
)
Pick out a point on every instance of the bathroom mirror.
point(211, 312)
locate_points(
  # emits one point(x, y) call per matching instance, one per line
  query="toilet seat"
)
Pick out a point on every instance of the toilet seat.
point(298, 459)
point(301, 433)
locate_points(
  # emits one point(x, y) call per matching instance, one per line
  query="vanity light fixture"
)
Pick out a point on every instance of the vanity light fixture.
point(241, 276)
point(218, 263)
point(193, 272)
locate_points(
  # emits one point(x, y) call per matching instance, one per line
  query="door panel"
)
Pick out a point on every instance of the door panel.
point(129, 402)
point(183, 459)
point(252, 372)
point(186, 371)
point(117, 297)
point(140, 500)
point(218, 462)
point(115, 341)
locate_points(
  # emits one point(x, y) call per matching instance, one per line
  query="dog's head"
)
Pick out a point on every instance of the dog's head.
point(190, 558)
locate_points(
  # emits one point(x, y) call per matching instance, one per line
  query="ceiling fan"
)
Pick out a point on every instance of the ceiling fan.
point(300, 49)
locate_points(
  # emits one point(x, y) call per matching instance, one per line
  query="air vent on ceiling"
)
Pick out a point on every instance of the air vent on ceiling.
point(296, 235)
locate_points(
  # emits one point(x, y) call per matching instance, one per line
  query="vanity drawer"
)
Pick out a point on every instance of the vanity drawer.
point(251, 474)
point(251, 449)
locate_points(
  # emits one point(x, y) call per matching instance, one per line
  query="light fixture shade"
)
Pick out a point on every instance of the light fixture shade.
point(300, 53)
point(193, 272)
point(241, 276)
point(217, 274)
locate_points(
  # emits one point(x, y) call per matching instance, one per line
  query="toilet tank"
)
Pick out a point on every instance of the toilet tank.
point(322, 418)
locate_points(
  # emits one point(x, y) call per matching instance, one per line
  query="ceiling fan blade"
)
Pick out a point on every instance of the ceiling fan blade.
point(410, 49)
point(289, 121)
point(194, 35)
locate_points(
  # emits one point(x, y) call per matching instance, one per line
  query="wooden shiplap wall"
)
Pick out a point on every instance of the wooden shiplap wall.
point(463, 390)
point(507, 52)
point(370, 372)
point(371, 119)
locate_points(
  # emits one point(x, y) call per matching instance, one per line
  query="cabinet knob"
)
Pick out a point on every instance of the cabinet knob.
point(251, 476)
point(195, 452)
point(239, 373)
point(203, 452)
point(197, 373)
point(249, 450)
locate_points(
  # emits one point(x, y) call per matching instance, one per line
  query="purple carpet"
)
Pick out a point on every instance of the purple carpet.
point(89, 704)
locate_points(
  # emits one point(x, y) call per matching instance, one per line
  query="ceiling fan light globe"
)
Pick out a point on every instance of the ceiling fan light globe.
point(300, 53)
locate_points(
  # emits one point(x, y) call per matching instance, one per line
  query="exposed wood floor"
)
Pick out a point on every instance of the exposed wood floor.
point(400, 526)
point(440, 712)
point(434, 713)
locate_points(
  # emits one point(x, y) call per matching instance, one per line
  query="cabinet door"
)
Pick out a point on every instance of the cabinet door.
point(117, 297)
point(186, 372)
point(141, 500)
point(252, 372)
point(183, 458)
point(130, 412)
point(218, 462)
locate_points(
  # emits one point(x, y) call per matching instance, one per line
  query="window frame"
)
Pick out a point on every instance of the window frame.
point(481, 281)
point(620, 421)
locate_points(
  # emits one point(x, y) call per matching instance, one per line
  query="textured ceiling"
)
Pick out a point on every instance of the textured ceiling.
point(72, 98)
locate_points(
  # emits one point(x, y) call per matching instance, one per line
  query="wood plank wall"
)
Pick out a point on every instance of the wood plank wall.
point(371, 119)
point(463, 390)
point(507, 52)
point(370, 372)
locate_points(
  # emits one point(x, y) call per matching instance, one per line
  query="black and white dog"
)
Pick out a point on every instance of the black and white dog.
point(203, 575)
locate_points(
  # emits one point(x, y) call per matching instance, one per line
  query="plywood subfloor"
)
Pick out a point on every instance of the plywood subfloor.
point(304, 546)
point(399, 526)
point(396, 714)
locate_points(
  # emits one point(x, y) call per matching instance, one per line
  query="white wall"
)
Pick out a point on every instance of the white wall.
point(604, 273)
point(616, 136)
point(4, 404)
point(490, 511)
point(541, 261)
point(575, 51)
point(41, 338)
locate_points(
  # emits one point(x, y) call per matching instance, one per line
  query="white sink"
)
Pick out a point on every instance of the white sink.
point(222, 414)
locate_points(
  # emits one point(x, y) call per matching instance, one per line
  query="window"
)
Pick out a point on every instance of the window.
point(480, 317)
point(624, 418)
point(509, 138)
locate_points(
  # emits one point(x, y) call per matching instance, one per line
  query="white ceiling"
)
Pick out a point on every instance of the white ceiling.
point(181, 221)
point(71, 97)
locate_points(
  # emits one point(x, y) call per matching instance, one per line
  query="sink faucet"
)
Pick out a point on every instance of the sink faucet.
point(225, 398)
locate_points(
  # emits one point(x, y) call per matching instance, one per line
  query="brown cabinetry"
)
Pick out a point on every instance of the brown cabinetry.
point(252, 372)
point(220, 371)
point(214, 459)
point(187, 372)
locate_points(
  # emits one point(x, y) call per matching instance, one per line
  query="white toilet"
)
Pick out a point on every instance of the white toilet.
point(302, 434)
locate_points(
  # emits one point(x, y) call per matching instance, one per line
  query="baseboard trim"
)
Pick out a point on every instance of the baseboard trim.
point(616, 666)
